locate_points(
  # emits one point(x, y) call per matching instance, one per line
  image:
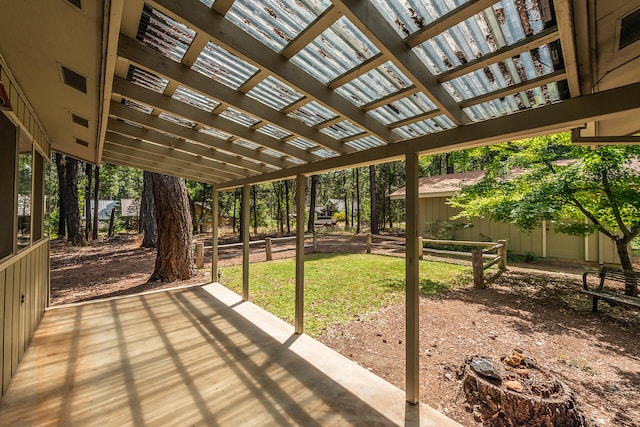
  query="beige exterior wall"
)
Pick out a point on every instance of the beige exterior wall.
point(558, 246)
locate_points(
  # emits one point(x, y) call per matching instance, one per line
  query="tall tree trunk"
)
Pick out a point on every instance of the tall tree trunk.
point(374, 200)
point(69, 196)
point(148, 221)
point(62, 229)
point(174, 260)
point(241, 217)
point(631, 286)
point(277, 190)
point(346, 193)
point(389, 207)
point(286, 201)
point(448, 163)
point(233, 221)
point(312, 205)
point(254, 190)
point(96, 187)
point(203, 201)
point(358, 199)
point(87, 202)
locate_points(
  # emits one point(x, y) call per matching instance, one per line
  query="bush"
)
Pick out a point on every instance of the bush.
point(338, 216)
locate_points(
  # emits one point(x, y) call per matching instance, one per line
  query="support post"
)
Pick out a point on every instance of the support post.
point(368, 243)
point(267, 248)
point(478, 268)
point(502, 253)
point(245, 242)
point(299, 297)
point(412, 281)
point(199, 255)
point(420, 248)
point(214, 237)
point(315, 241)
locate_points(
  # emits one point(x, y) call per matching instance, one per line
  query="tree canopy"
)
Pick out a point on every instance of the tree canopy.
point(578, 188)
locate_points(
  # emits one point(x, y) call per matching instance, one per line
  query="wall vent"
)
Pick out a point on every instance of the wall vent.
point(79, 120)
point(629, 29)
point(73, 79)
point(81, 142)
point(76, 3)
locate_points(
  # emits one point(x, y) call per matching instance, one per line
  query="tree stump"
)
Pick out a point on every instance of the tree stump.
point(526, 395)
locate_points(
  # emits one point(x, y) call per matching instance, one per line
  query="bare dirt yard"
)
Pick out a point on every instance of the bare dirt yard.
point(535, 309)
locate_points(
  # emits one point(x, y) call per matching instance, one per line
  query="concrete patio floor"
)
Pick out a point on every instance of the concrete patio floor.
point(193, 356)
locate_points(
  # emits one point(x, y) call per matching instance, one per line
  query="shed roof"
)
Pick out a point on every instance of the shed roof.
point(236, 92)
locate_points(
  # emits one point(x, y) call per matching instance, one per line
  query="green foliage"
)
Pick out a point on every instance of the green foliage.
point(531, 180)
point(339, 288)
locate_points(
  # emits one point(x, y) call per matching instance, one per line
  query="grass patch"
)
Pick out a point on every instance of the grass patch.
point(339, 287)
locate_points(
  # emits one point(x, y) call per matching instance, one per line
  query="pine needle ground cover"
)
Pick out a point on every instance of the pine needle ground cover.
point(339, 288)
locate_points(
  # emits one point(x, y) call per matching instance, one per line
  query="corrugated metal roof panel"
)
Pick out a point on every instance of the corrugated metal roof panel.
point(536, 97)
point(274, 93)
point(404, 108)
point(209, 3)
point(376, 84)
point(312, 114)
point(503, 24)
point(337, 50)
point(222, 66)
point(215, 132)
point(425, 127)
point(247, 144)
point(275, 23)
point(301, 143)
point(342, 130)
point(177, 120)
point(146, 79)
point(195, 99)
point(272, 153)
point(324, 153)
point(365, 143)
point(144, 108)
point(274, 131)
point(239, 117)
point(408, 16)
point(163, 34)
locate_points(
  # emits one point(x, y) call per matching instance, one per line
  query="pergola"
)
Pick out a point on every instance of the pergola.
point(235, 93)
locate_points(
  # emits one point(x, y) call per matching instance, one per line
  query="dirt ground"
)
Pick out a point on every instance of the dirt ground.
point(533, 308)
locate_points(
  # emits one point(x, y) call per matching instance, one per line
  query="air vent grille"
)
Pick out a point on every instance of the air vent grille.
point(79, 120)
point(629, 29)
point(81, 142)
point(73, 79)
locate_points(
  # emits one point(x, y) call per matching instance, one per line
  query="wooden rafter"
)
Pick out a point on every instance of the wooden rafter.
point(246, 47)
point(317, 27)
point(157, 167)
point(373, 25)
point(566, 27)
point(149, 59)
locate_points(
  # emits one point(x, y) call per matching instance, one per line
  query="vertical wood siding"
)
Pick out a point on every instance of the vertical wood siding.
point(24, 293)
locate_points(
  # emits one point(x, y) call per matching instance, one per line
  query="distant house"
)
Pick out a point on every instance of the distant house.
point(544, 242)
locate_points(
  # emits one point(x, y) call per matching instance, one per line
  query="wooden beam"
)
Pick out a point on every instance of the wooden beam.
point(151, 166)
point(567, 29)
point(402, 93)
point(138, 93)
point(414, 119)
point(368, 19)
point(603, 140)
point(412, 277)
point(544, 37)
point(154, 61)
point(553, 118)
point(195, 159)
point(245, 242)
point(448, 20)
point(222, 6)
point(246, 47)
point(317, 27)
point(163, 139)
point(520, 87)
point(215, 211)
point(169, 162)
point(178, 131)
point(299, 294)
point(368, 65)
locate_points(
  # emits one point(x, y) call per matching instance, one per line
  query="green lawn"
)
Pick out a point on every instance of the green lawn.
point(339, 287)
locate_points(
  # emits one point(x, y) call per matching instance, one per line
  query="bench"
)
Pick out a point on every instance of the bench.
point(614, 275)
